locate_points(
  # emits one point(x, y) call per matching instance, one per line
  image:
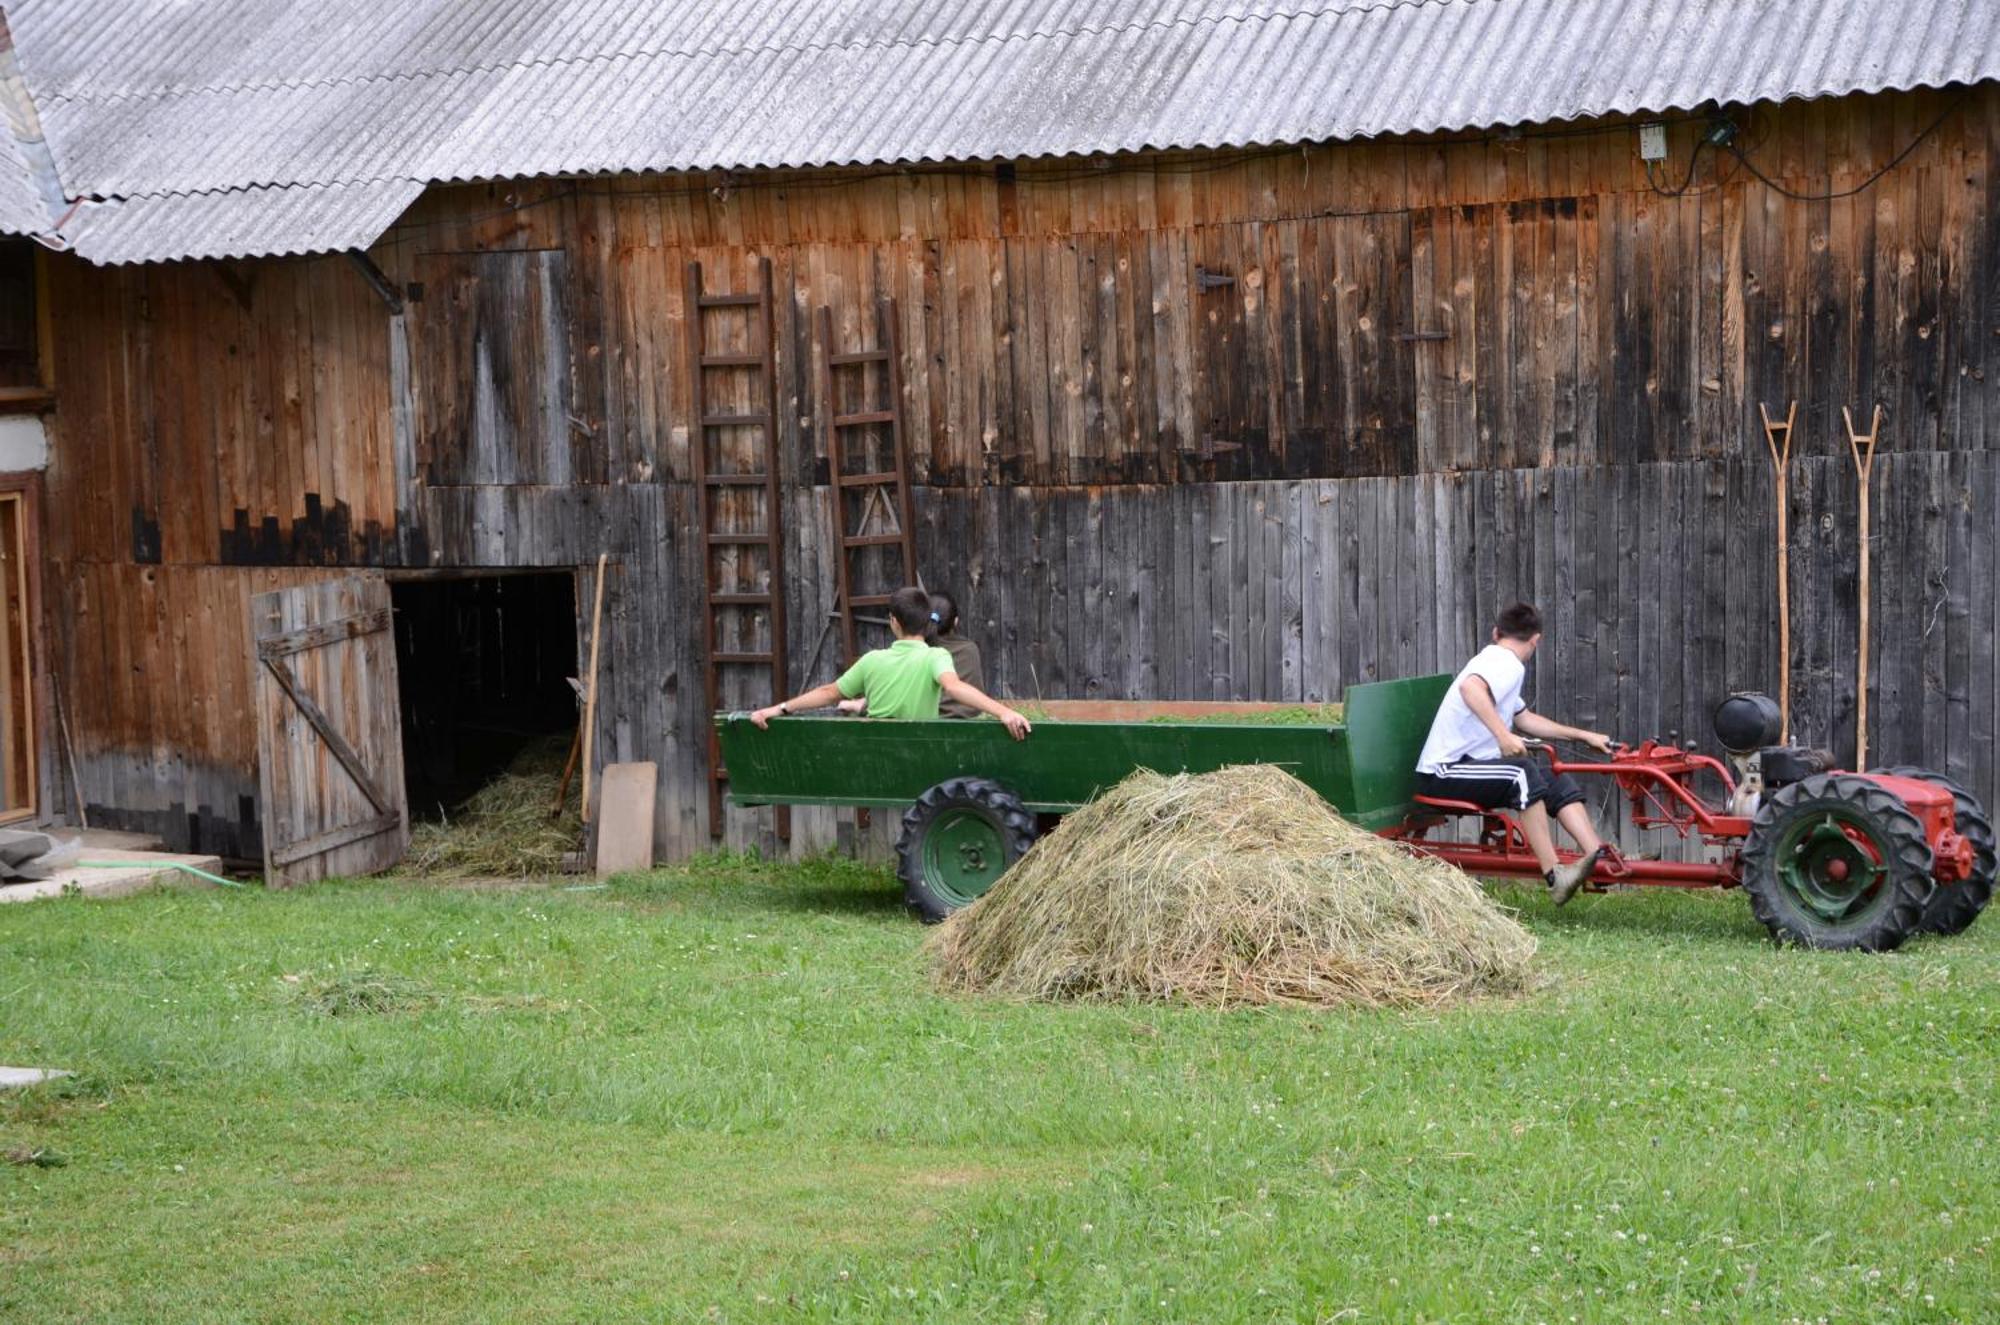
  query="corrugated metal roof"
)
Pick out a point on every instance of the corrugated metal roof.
point(260, 222)
point(27, 174)
point(155, 48)
point(144, 97)
point(21, 210)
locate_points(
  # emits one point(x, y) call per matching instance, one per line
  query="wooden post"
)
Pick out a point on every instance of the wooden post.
point(1781, 463)
point(69, 754)
point(1863, 450)
point(590, 700)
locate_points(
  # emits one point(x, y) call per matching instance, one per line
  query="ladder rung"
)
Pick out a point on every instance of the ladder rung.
point(862, 356)
point(714, 539)
point(863, 480)
point(869, 600)
point(872, 540)
point(736, 480)
point(732, 420)
point(729, 300)
point(732, 361)
point(738, 599)
point(860, 420)
point(740, 658)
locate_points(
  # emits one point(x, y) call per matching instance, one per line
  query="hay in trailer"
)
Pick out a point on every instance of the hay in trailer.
point(1235, 887)
point(504, 830)
point(1291, 715)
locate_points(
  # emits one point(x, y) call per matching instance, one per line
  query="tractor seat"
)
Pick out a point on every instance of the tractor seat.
point(1450, 806)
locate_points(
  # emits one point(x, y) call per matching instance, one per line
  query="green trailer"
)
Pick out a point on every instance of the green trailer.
point(973, 799)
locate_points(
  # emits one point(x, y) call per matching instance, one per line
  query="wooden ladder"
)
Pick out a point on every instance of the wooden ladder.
point(721, 496)
point(885, 517)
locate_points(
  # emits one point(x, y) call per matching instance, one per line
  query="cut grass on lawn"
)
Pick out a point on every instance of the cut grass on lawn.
point(724, 1093)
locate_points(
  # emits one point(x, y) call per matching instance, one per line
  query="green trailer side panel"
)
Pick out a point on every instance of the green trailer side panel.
point(1362, 767)
point(1062, 765)
point(1387, 722)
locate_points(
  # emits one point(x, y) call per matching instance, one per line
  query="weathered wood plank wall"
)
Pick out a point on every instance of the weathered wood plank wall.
point(1195, 425)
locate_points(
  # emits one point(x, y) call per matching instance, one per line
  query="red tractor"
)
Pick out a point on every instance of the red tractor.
point(1830, 859)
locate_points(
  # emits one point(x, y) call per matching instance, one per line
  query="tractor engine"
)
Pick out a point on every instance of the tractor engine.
point(1782, 764)
point(1851, 860)
point(1749, 726)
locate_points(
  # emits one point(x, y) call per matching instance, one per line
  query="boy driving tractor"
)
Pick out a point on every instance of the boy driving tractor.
point(1476, 753)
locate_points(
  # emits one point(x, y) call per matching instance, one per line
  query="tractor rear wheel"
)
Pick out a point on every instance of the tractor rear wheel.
point(957, 840)
point(1954, 906)
point(1836, 861)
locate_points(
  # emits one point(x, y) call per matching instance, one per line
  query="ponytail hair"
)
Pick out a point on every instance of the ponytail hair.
point(944, 614)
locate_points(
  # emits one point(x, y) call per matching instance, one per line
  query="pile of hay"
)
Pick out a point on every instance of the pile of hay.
point(505, 830)
point(1235, 887)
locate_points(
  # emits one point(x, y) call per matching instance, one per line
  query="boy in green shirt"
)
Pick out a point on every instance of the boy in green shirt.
point(904, 680)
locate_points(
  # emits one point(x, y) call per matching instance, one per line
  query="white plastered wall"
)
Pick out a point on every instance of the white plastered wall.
point(23, 444)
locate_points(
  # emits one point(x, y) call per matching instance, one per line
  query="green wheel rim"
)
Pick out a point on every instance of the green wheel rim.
point(964, 855)
point(1832, 864)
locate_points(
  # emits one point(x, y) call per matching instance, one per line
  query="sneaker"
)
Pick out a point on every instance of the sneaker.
point(1567, 879)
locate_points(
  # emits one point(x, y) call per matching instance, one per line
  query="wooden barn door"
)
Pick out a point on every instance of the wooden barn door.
point(329, 730)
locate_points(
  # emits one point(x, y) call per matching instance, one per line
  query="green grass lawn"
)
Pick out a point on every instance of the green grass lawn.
point(725, 1093)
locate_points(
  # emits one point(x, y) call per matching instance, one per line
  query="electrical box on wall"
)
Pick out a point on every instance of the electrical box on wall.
point(1653, 141)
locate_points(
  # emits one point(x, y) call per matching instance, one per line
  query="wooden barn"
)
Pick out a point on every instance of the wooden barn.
point(1202, 349)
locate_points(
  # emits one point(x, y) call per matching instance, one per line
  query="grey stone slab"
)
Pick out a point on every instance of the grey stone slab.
point(105, 874)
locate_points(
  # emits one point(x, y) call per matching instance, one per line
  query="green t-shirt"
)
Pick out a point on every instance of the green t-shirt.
point(900, 681)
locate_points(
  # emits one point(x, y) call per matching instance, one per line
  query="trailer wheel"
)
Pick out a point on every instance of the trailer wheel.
point(1836, 861)
point(957, 840)
point(1954, 906)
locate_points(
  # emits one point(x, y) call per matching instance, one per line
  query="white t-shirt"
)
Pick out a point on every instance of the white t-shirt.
point(1456, 732)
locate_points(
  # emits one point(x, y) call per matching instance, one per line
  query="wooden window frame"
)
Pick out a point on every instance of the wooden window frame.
point(28, 485)
point(16, 399)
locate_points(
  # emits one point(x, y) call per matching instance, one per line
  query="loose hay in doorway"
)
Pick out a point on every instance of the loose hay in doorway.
point(505, 830)
point(1235, 887)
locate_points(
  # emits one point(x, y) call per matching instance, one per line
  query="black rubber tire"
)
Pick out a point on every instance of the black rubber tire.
point(1954, 906)
point(1891, 917)
point(989, 800)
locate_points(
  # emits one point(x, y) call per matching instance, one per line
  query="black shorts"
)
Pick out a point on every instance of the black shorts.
point(1502, 784)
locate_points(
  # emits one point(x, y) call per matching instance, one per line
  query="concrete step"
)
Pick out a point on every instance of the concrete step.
point(106, 872)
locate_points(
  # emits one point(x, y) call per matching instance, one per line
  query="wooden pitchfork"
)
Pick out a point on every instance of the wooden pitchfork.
point(1781, 461)
point(1863, 450)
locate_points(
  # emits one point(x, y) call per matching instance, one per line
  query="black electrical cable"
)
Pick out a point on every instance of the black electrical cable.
point(511, 209)
point(1202, 166)
point(1894, 161)
point(1694, 159)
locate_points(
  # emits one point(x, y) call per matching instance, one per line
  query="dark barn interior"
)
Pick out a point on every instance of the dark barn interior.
point(483, 663)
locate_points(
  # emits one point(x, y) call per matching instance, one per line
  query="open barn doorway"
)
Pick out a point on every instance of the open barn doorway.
point(485, 660)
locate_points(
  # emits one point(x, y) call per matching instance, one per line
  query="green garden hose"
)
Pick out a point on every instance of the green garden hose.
point(171, 865)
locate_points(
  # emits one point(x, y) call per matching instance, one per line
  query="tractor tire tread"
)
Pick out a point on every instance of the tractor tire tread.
point(1954, 906)
point(1909, 872)
point(1017, 826)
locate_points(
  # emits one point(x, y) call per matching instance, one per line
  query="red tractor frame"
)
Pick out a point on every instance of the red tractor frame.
point(1831, 860)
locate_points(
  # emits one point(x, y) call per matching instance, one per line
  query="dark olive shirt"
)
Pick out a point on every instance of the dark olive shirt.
point(964, 661)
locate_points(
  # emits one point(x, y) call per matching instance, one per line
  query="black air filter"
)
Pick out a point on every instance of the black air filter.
point(1747, 721)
